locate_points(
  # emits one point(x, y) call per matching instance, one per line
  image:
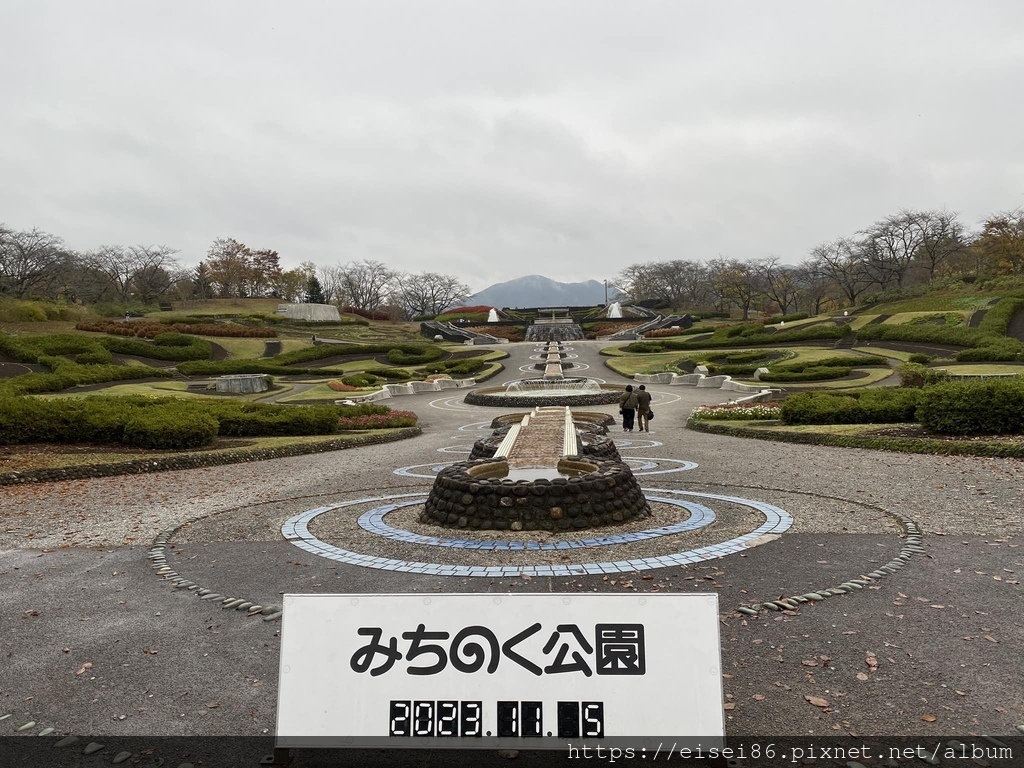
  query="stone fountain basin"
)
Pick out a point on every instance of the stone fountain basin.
point(499, 397)
point(586, 493)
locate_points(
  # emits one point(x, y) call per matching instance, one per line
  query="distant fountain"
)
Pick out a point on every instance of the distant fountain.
point(492, 316)
point(615, 309)
point(569, 386)
point(554, 388)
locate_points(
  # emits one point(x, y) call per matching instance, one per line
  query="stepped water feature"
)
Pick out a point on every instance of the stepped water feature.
point(553, 388)
point(537, 478)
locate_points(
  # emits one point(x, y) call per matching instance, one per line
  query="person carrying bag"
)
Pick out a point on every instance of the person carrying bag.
point(627, 407)
point(643, 409)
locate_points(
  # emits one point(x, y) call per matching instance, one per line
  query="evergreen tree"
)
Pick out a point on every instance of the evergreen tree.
point(314, 291)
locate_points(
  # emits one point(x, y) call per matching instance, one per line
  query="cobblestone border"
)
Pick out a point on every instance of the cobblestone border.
point(196, 460)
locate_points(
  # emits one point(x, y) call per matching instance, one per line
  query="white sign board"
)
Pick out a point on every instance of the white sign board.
point(527, 671)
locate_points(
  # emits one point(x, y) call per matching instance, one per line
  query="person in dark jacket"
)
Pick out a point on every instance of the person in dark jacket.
point(627, 407)
point(643, 405)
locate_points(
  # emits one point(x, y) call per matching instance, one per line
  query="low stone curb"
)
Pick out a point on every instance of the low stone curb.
point(876, 442)
point(195, 461)
point(157, 557)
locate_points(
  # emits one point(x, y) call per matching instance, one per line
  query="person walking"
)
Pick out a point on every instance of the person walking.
point(627, 407)
point(643, 407)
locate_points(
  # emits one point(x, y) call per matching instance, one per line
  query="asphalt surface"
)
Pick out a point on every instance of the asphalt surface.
point(94, 644)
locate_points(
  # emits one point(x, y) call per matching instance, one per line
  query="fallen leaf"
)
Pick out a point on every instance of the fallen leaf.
point(862, 675)
point(758, 697)
point(809, 663)
point(213, 704)
point(959, 693)
point(928, 718)
point(730, 705)
point(817, 701)
point(86, 666)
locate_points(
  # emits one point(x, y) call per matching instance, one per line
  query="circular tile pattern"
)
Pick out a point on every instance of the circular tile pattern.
point(297, 532)
point(373, 521)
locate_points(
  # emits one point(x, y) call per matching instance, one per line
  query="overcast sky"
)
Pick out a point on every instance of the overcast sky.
point(499, 139)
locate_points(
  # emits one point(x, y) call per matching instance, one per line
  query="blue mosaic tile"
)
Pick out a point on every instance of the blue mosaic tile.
point(295, 530)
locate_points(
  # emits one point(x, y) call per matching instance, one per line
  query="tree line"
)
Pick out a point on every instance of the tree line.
point(908, 248)
point(38, 265)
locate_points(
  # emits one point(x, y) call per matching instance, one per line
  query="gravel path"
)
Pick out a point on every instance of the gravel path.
point(944, 631)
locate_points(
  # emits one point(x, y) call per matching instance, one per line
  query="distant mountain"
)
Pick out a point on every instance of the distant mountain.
point(540, 291)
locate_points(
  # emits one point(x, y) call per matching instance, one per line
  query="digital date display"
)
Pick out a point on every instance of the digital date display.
point(512, 719)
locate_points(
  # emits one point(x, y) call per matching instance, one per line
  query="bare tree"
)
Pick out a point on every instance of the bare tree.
point(29, 262)
point(890, 246)
point(815, 289)
point(736, 283)
point(943, 238)
point(429, 293)
point(778, 281)
point(368, 283)
point(841, 261)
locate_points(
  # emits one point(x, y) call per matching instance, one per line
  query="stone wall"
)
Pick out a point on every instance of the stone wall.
point(608, 495)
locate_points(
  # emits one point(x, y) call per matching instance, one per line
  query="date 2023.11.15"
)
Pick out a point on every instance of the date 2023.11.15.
point(466, 719)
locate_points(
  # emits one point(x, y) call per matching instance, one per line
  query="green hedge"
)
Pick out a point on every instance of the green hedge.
point(997, 319)
point(808, 373)
point(885, 405)
point(287, 362)
point(457, 367)
point(426, 355)
point(991, 407)
point(178, 347)
point(166, 423)
point(170, 427)
point(747, 335)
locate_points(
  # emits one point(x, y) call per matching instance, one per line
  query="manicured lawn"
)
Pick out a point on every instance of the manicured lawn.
point(938, 302)
point(906, 317)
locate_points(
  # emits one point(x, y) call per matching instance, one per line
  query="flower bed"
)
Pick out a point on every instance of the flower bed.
point(758, 411)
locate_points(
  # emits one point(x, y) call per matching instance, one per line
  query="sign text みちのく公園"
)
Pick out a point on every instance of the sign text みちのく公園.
point(486, 670)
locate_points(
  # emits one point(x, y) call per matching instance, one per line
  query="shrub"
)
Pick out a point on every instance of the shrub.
point(644, 347)
point(378, 421)
point(29, 313)
point(884, 405)
point(170, 427)
point(920, 358)
point(359, 380)
point(259, 420)
point(95, 357)
point(997, 319)
point(992, 407)
point(997, 349)
point(422, 355)
point(809, 373)
point(912, 374)
point(457, 367)
point(790, 318)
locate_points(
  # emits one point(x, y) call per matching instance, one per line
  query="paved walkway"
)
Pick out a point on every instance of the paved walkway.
point(95, 643)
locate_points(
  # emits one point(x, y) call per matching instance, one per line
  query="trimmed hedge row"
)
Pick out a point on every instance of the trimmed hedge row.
point(150, 329)
point(807, 373)
point(871, 442)
point(281, 365)
point(981, 345)
point(424, 355)
point(989, 407)
point(986, 407)
point(885, 405)
point(747, 335)
point(67, 374)
point(457, 367)
point(170, 423)
point(173, 346)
